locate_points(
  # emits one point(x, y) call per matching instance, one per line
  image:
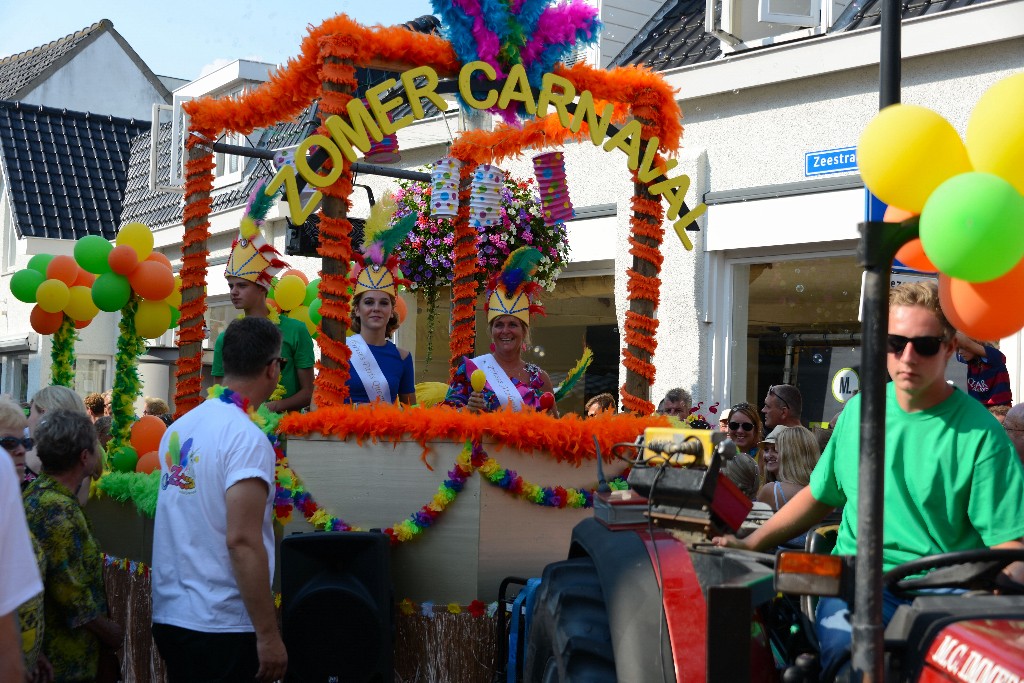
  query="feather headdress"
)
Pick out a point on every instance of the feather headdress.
point(377, 265)
point(575, 375)
point(512, 290)
point(252, 257)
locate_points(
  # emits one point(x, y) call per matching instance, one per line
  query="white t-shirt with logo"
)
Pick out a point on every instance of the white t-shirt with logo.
point(19, 573)
point(211, 448)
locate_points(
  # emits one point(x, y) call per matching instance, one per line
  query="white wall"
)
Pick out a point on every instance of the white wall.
point(103, 79)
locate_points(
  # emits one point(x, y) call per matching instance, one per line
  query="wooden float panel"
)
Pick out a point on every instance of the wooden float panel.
point(483, 536)
point(120, 529)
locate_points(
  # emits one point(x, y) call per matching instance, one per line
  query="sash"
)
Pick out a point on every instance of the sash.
point(370, 374)
point(501, 384)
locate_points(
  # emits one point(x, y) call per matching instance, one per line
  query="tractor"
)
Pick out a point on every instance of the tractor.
point(644, 597)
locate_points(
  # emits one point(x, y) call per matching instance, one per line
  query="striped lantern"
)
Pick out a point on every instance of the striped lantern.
point(385, 151)
point(554, 191)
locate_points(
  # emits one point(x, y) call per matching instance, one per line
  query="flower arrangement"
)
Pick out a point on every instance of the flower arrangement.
point(427, 254)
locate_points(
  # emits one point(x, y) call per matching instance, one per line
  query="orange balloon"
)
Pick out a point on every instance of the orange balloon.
point(63, 268)
point(158, 257)
point(297, 273)
point(980, 309)
point(146, 433)
point(152, 280)
point(148, 462)
point(912, 254)
point(82, 324)
point(43, 322)
point(401, 309)
point(123, 259)
point(84, 279)
point(894, 214)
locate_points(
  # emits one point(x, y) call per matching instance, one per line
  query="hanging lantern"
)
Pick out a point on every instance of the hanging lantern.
point(444, 188)
point(385, 151)
point(554, 191)
point(485, 196)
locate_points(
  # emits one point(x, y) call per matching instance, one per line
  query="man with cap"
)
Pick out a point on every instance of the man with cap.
point(782, 406)
point(252, 265)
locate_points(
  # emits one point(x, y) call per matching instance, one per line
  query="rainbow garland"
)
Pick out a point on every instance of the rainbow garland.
point(291, 494)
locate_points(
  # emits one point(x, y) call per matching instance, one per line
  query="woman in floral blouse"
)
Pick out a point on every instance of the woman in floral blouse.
point(74, 600)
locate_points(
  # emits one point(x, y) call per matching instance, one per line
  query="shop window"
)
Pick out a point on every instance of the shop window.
point(91, 375)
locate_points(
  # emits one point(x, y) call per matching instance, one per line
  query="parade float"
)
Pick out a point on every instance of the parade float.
point(465, 499)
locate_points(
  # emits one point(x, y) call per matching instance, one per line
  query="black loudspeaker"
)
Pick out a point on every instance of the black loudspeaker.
point(336, 607)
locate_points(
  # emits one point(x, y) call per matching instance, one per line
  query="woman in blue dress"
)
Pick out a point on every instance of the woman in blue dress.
point(379, 370)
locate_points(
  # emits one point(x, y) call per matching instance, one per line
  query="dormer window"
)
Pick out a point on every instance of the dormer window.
point(745, 24)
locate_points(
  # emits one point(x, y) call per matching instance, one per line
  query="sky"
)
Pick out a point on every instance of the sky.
point(188, 38)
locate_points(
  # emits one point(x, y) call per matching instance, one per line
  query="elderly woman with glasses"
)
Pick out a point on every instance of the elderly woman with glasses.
point(745, 431)
point(30, 613)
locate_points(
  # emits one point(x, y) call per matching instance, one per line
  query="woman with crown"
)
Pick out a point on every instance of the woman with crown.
point(510, 381)
point(379, 370)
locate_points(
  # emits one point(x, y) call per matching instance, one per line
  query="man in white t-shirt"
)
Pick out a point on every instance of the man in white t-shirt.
point(213, 542)
point(19, 573)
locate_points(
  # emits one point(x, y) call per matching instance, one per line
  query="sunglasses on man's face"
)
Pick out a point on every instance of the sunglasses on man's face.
point(745, 426)
point(923, 346)
point(9, 443)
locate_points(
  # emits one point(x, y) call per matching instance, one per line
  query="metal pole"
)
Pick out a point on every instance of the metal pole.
point(877, 249)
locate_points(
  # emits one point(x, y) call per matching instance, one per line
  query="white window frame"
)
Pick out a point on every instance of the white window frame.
point(810, 20)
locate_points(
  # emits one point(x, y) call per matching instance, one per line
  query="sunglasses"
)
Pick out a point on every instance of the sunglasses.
point(745, 426)
point(282, 362)
point(923, 346)
point(771, 392)
point(11, 442)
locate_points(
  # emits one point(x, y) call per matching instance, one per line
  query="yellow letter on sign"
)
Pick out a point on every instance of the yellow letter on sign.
point(414, 92)
point(296, 210)
point(466, 85)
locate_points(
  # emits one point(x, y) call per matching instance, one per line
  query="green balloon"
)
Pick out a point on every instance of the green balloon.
point(91, 252)
point(314, 311)
point(39, 262)
point(111, 292)
point(175, 316)
point(971, 227)
point(312, 292)
point(24, 284)
point(124, 459)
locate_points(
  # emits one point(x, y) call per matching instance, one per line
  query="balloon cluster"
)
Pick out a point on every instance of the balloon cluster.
point(141, 455)
point(102, 277)
point(298, 298)
point(970, 199)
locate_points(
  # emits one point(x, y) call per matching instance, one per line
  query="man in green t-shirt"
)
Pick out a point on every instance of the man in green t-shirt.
point(250, 269)
point(952, 479)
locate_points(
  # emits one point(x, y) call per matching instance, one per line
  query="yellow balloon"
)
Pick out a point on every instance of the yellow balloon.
point(139, 237)
point(995, 132)
point(907, 151)
point(301, 313)
point(478, 379)
point(152, 319)
point(80, 305)
point(174, 300)
point(289, 292)
point(52, 295)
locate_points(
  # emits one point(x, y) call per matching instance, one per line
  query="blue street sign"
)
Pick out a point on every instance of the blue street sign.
point(830, 161)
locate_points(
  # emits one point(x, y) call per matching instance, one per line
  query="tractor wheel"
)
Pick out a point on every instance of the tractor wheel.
point(569, 639)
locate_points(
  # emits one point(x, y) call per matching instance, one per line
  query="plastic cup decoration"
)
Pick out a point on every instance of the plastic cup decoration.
point(554, 191)
point(444, 192)
point(485, 196)
point(385, 151)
